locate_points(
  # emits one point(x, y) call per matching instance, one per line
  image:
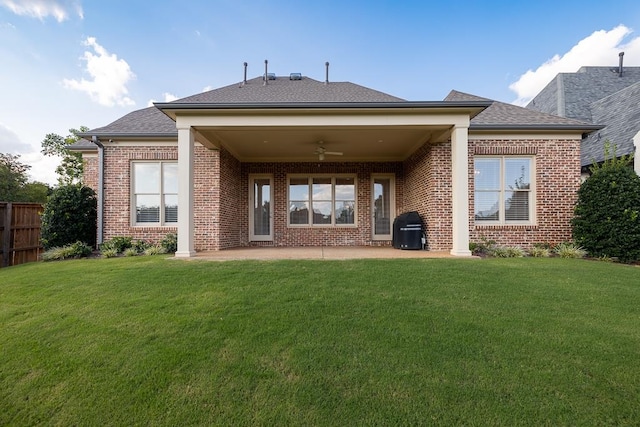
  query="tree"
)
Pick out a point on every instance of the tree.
point(14, 184)
point(35, 192)
point(13, 177)
point(71, 167)
point(607, 215)
point(69, 216)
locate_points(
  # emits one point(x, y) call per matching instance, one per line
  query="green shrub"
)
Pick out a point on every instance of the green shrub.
point(118, 243)
point(569, 250)
point(140, 246)
point(155, 250)
point(539, 252)
point(131, 252)
point(74, 250)
point(607, 215)
point(69, 216)
point(484, 247)
point(109, 252)
point(170, 243)
point(506, 252)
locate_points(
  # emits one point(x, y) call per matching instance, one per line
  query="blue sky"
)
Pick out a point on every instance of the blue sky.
point(67, 63)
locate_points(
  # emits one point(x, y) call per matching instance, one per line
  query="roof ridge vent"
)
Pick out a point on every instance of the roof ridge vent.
point(295, 76)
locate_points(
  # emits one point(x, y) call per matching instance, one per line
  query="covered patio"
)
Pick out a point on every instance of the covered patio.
point(257, 137)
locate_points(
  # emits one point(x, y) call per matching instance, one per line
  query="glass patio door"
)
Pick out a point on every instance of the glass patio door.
point(260, 208)
point(383, 206)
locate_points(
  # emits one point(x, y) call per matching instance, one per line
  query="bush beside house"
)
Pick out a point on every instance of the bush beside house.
point(70, 216)
point(607, 215)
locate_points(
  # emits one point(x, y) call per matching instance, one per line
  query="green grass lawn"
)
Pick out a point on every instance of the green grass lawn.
point(153, 341)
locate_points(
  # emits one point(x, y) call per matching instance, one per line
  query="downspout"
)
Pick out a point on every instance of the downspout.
point(636, 154)
point(100, 231)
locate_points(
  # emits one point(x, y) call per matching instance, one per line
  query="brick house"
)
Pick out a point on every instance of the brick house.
point(292, 161)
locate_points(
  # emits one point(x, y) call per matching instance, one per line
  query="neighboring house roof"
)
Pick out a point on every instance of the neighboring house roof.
point(621, 112)
point(500, 115)
point(598, 95)
point(282, 89)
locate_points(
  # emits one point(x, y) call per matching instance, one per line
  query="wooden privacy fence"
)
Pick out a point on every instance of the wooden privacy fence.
point(19, 233)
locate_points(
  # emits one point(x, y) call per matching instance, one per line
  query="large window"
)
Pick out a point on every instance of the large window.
point(322, 200)
point(503, 190)
point(155, 193)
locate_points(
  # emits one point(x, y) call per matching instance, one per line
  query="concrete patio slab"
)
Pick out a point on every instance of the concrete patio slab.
point(316, 253)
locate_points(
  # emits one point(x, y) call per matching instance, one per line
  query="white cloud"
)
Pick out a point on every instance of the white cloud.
point(10, 142)
point(167, 97)
point(599, 49)
point(42, 167)
point(207, 88)
point(41, 9)
point(109, 77)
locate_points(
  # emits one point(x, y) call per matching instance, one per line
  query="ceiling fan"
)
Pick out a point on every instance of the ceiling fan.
point(321, 151)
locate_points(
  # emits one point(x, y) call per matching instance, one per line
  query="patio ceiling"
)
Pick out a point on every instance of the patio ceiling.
point(295, 144)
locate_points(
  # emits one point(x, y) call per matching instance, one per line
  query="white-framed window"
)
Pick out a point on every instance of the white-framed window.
point(322, 200)
point(504, 190)
point(154, 194)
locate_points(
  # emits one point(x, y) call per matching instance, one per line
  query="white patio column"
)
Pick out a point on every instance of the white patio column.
point(460, 190)
point(185, 194)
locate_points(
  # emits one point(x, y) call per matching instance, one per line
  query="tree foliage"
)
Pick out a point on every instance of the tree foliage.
point(13, 176)
point(607, 215)
point(14, 185)
point(71, 167)
point(70, 216)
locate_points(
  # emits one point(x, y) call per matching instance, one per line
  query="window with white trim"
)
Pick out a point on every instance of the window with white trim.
point(154, 198)
point(322, 200)
point(504, 191)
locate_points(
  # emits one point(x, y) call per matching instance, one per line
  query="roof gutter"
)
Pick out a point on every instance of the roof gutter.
point(473, 108)
point(320, 105)
point(100, 220)
point(588, 128)
point(132, 135)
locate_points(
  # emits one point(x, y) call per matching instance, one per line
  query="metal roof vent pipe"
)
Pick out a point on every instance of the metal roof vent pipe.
point(266, 71)
point(244, 81)
point(326, 78)
point(621, 54)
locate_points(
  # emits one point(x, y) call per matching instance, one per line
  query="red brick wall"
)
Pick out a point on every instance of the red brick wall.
point(206, 188)
point(557, 179)
point(233, 214)
point(117, 194)
point(422, 184)
point(428, 191)
point(317, 236)
point(90, 172)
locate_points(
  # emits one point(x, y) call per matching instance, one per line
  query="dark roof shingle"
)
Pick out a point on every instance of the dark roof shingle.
point(284, 90)
point(500, 114)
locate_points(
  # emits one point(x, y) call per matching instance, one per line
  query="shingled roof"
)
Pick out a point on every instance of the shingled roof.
point(621, 114)
point(282, 89)
point(500, 115)
point(152, 122)
point(146, 122)
point(600, 95)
